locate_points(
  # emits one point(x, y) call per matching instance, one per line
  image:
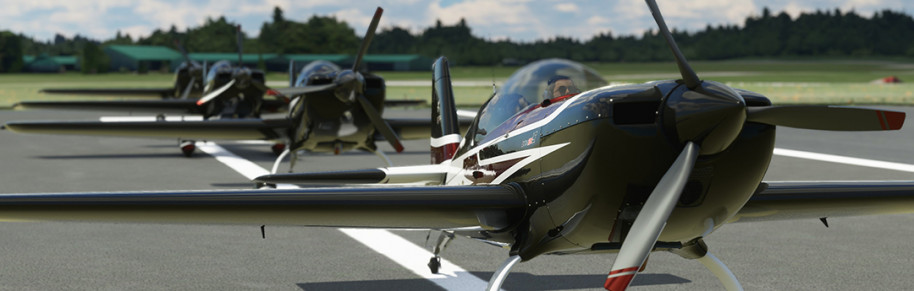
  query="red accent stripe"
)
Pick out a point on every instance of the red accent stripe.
point(623, 270)
point(891, 120)
point(618, 283)
point(444, 152)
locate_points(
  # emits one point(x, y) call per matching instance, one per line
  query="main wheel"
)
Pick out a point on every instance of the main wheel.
point(278, 148)
point(434, 264)
point(188, 147)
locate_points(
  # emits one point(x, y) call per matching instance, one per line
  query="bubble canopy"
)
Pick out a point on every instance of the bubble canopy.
point(528, 86)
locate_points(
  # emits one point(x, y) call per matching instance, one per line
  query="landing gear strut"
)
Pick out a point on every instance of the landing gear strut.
point(188, 147)
point(434, 264)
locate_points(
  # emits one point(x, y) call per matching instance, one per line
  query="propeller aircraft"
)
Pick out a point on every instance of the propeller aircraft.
point(338, 111)
point(546, 169)
point(225, 91)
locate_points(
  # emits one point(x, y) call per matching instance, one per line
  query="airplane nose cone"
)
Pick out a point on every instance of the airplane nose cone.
point(711, 115)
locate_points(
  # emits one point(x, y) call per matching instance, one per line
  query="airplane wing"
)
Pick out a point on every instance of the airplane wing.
point(138, 92)
point(389, 207)
point(168, 106)
point(417, 128)
point(802, 200)
point(173, 106)
point(223, 129)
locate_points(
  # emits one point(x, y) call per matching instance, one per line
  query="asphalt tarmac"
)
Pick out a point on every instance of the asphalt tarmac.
point(853, 253)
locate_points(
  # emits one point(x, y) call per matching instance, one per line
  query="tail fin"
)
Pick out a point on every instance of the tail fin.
point(445, 129)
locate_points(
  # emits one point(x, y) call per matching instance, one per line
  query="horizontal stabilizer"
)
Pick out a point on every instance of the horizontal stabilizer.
point(366, 176)
point(428, 174)
point(138, 92)
point(225, 129)
point(810, 200)
point(389, 207)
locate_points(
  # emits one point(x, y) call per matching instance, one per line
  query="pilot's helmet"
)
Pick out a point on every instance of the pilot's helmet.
point(558, 86)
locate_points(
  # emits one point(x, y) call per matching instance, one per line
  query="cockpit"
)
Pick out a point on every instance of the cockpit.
point(220, 67)
point(551, 79)
point(320, 67)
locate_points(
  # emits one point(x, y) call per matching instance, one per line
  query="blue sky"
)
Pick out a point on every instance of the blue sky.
point(524, 20)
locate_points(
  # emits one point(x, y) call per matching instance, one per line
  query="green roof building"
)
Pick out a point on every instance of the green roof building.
point(249, 60)
point(47, 64)
point(141, 58)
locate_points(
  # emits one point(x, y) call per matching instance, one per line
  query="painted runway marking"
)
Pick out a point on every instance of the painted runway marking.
point(845, 160)
point(415, 258)
point(394, 247)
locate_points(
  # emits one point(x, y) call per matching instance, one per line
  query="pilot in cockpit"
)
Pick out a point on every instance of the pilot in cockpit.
point(558, 86)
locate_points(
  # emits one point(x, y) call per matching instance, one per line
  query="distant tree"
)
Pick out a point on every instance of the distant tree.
point(10, 52)
point(93, 59)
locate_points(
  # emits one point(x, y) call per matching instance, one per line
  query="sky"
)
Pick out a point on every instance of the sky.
point(518, 20)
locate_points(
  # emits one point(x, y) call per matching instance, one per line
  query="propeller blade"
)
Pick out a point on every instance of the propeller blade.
point(688, 75)
point(292, 75)
point(827, 117)
point(651, 220)
point(215, 93)
point(297, 91)
point(380, 124)
point(184, 54)
point(367, 40)
point(188, 87)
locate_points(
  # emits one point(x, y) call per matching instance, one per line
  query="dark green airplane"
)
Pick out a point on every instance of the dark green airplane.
point(339, 110)
point(552, 166)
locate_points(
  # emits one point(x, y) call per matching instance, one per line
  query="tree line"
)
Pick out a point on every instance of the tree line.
point(833, 33)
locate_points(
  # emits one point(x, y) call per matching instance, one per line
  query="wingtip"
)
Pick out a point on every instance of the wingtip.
point(398, 147)
point(893, 120)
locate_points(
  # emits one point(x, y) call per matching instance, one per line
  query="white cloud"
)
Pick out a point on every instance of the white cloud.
point(566, 7)
point(524, 20)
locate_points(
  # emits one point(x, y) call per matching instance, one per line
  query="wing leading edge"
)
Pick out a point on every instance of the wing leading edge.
point(802, 200)
point(231, 129)
point(138, 92)
point(389, 207)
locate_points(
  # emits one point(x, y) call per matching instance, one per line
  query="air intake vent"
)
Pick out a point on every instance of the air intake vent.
point(635, 112)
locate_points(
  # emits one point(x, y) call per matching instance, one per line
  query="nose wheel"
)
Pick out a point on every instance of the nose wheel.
point(188, 147)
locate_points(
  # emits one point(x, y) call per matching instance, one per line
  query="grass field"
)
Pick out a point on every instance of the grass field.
point(812, 82)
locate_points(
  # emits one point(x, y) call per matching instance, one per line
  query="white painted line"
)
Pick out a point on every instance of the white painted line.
point(398, 249)
point(845, 160)
point(244, 167)
point(415, 258)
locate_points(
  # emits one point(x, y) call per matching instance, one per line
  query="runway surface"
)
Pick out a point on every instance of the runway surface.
point(854, 253)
